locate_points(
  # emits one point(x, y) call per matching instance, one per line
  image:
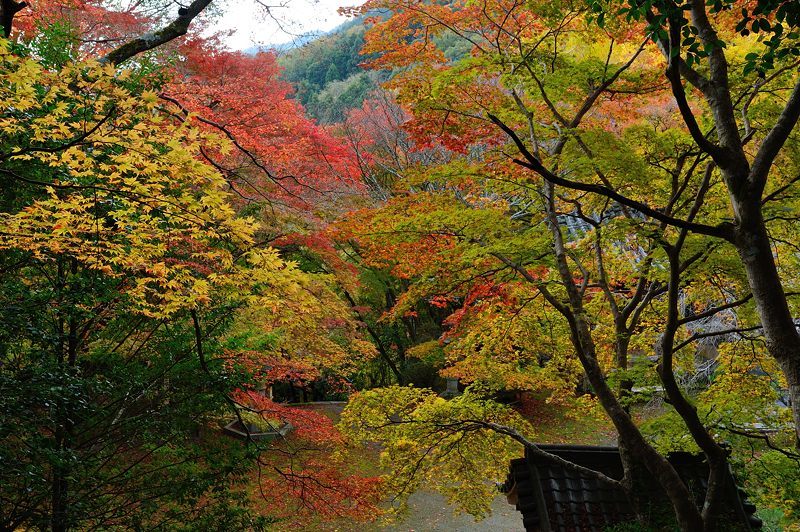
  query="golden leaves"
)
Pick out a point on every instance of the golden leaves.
point(125, 191)
point(429, 441)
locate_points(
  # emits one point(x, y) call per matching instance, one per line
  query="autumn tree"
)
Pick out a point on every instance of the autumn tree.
point(384, 152)
point(695, 51)
point(145, 305)
point(608, 267)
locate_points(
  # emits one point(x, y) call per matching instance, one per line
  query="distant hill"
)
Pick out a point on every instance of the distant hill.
point(285, 47)
point(326, 73)
point(326, 70)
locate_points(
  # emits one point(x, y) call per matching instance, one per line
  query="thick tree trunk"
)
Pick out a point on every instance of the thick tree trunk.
point(745, 183)
point(66, 357)
point(686, 512)
point(58, 520)
point(780, 332)
point(715, 491)
point(638, 483)
point(622, 344)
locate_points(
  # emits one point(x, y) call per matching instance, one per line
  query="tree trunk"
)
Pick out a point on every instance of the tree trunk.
point(621, 346)
point(66, 355)
point(59, 487)
point(384, 353)
point(782, 339)
point(686, 512)
point(637, 482)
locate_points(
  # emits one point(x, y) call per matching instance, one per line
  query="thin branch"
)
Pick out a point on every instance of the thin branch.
point(674, 77)
point(714, 310)
point(767, 441)
point(780, 190)
point(698, 336)
point(540, 453)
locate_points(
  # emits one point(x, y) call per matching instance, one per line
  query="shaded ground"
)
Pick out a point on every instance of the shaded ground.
point(430, 512)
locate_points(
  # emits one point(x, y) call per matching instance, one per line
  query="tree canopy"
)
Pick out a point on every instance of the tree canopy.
point(581, 215)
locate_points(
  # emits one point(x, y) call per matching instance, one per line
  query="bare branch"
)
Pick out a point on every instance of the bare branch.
point(541, 453)
point(723, 231)
point(714, 310)
point(148, 41)
point(698, 336)
point(780, 190)
point(775, 140)
point(674, 77)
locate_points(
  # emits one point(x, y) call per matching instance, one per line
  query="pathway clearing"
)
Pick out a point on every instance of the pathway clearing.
point(429, 512)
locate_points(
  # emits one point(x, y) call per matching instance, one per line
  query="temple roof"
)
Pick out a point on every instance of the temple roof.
point(554, 497)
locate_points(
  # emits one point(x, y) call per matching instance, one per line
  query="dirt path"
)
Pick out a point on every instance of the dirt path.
point(429, 512)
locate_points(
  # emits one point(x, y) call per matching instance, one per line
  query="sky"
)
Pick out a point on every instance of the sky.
point(289, 19)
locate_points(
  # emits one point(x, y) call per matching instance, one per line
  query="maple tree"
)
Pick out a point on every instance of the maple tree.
point(532, 206)
point(626, 223)
point(747, 175)
point(461, 462)
point(284, 159)
point(154, 292)
point(111, 33)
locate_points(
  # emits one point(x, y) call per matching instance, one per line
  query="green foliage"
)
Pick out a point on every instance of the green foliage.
point(261, 423)
point(773, 519)
point(332, 74)
point(452, 46)
point(159, 470)
point(438, 443)
point(326, 72)
point(112, 393)
point(56, 43)
point(741, 398)
point(772, 481)
point(422, 373)
point(331, 103)
point(776, 23)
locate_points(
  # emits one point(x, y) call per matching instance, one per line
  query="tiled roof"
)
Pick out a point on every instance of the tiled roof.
point(552, 497)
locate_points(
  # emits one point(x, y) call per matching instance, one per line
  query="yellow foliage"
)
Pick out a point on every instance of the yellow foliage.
point(126, 191)
point(437, 443)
